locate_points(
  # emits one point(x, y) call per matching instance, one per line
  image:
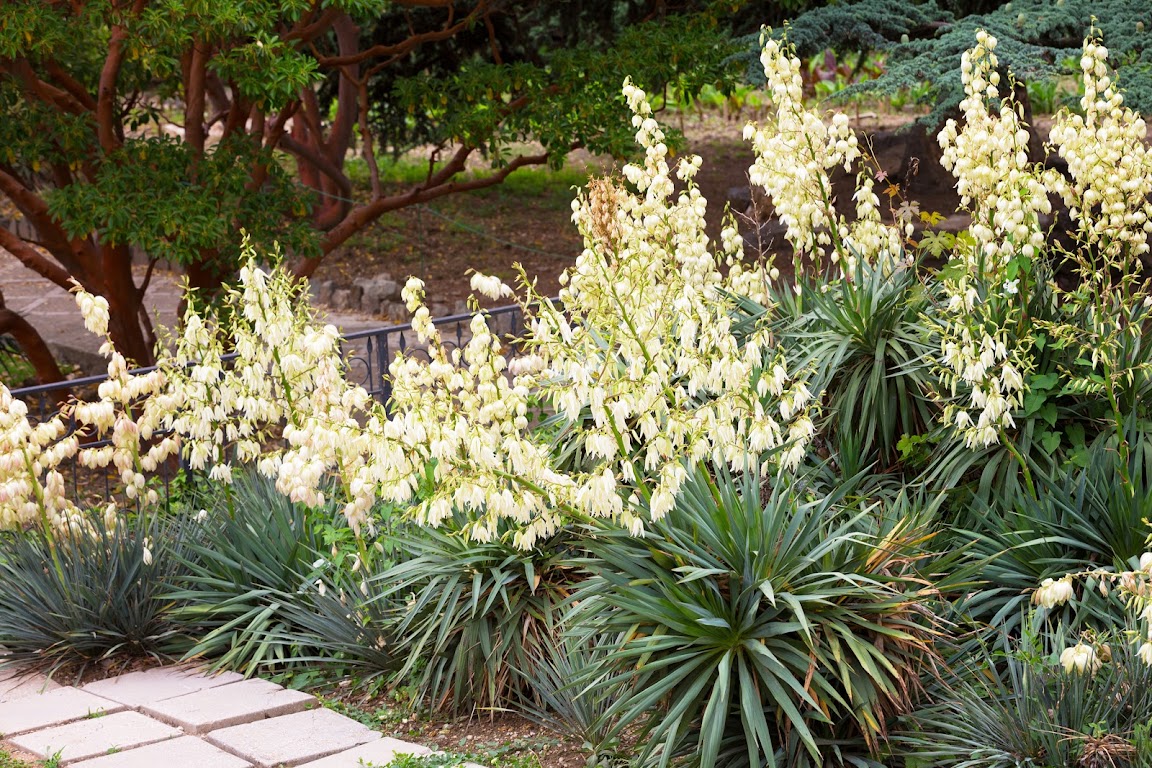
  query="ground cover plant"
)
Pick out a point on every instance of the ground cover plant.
point(801, 520)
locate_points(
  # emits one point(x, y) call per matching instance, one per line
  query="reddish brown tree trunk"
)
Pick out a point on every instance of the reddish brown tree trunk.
point(125, 302)
point(31, 344)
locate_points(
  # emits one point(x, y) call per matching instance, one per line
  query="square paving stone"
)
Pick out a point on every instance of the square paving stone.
point(293, 739)
point(16, 684)
point(137, 689)
point(228, 705)
point(378, 753)
point(56, 707)
point(184, 752)
point(91, 738)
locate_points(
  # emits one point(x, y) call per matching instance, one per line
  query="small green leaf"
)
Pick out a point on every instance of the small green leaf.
point(1050, 441)
point(1033, 402)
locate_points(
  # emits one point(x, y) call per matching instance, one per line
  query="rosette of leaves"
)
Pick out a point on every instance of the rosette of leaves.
point(267, 591)
point(472, 618)
point(86, 594)
point(1081, 519)
point(758, 625)
point(1001, 711)
point(868, 340)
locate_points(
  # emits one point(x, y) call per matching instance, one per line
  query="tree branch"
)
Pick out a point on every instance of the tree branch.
point(45, 92)
point(405, 46)
point(70, 84)
point(319, 161)
point(307, 30)
point(34, 260)
point(106, 94)
point(194, 98)
point(438, 185)
point(33, 346)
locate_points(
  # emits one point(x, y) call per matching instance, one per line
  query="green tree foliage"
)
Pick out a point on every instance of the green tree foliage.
point(923, 42)
point(167, 126)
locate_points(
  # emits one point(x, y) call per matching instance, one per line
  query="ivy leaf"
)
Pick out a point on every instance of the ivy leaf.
point(1033, 402)
point(1050, 441)
point(1075, 434)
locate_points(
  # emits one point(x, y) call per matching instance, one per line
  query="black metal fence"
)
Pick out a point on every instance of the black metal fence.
point(368, 355)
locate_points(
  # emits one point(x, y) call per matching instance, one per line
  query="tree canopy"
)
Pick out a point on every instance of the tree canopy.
point(924, 42)
point(168, 126)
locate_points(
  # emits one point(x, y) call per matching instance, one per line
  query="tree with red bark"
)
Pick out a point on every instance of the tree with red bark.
point(167, 127)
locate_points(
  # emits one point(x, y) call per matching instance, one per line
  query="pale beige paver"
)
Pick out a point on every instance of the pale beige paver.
point(55, 707)
point(293, 739)
point(138, 689)
point(378, 753)
point(184, 752)
point(16, 684)
point(228, 705)
point(98, 736)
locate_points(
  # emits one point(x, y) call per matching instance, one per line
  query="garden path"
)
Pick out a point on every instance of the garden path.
point(180, 717)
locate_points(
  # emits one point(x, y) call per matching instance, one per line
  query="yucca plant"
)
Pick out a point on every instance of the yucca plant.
point(263, 591)
point(77, 596)
point(553, 697)
point(473, 616)
point(1026, 710)
point(867, 339)
point(1080, 519)
point(774, 629)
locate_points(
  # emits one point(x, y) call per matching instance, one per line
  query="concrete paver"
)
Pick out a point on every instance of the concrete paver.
point(184, 752)
point(186, 718)
point(228, 705)
point(137, 689)
point(98, 736)
point(293, 739)
point(56, 707)
point(376, 753)
point(16, 684)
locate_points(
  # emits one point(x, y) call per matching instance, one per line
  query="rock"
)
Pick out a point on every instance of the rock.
point(341, 299)
point(321, 292)
point(460, 307)
point(439, 310)
point(740, 198)
point(395, 311)
point(376, 292)
point(355, 293)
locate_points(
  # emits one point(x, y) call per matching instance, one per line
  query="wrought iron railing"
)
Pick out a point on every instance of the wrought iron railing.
point(368, 355)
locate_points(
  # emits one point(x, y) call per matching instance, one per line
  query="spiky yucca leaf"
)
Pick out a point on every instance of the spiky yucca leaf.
point(1026, 710)
point(473, 615)
point(75, 597)
point(759, 622)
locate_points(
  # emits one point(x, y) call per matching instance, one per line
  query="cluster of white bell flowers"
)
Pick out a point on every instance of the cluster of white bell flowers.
point(795, 153)
point(641, 358)
point(1109, 166)
point(1006, 195)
